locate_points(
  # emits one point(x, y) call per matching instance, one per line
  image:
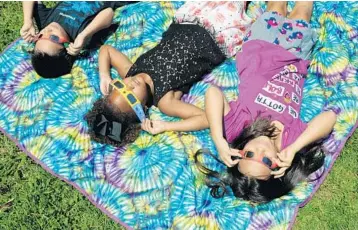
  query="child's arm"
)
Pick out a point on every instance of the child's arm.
point(101, 21)
point(109, 56)
point(196, 119)
point(27, 31)
point(193, 117)
point(216, 107)
point(319, 127)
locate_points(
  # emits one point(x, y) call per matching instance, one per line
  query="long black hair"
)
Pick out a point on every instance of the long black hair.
point(306, 161)
point(129, 121)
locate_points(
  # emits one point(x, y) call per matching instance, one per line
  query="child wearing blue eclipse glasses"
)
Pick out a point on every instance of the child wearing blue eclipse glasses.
point(191, 47)
point(63, 32)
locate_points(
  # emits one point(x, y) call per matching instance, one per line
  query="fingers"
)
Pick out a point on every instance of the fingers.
point(28, 33)
point(73, 50)
point(148, 126)
point(229, 162)
point(26, 36)
point(283, 167)
point(32, 32)
point(104, 89)
point(279, 173)
point(227, 157)
point(144, 125)
point(235, 152)
point(283, 164)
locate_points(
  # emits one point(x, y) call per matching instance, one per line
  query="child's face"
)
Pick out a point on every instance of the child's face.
point(261, 145)
point(47, 46)
point(137, 85)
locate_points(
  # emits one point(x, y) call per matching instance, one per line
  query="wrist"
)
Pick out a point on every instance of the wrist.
point(295, 147)
point(220, 142)
point(167, 126)
point(82, 35)
point(104, 75)
point(218, 138)
point(28, 21)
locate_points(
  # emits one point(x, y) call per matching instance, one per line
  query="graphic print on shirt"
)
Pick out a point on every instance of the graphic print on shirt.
point(274, 89)
point(287, 98)
point(282, 79)
point(295, 98)
point(289, 76)
point(298, 90)
point(270, 103)
point(296, 77)
point(291, 68)
point(292, 112)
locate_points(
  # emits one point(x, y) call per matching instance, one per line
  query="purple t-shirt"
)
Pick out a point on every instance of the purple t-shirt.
point(271, 82)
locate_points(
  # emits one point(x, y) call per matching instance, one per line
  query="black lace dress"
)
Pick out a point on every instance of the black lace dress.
point(185, 54)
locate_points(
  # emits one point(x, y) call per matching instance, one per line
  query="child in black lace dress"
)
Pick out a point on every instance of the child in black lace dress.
point(160, 77)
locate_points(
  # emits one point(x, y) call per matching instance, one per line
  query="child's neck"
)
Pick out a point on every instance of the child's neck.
point(147, 79)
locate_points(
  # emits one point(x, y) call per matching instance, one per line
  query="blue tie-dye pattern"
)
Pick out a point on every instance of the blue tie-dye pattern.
point(154, 184)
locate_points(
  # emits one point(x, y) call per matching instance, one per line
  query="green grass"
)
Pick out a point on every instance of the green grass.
point(31, 198)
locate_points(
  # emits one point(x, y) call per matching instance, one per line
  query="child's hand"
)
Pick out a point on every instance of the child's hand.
point(28, 32)
point(226, 153)
point(75, 48)
point(105, 81)
point(284, 161)
point(154, 127)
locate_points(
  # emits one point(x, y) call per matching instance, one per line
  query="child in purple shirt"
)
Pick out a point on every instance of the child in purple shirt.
point(260, 135)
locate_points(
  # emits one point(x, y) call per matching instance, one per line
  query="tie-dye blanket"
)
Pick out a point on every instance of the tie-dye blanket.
point(153, 183)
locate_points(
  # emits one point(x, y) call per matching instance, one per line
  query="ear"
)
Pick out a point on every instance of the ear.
point(278, 125)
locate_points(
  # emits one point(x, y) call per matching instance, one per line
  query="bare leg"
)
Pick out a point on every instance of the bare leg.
point(302, 10)
point(279, 7)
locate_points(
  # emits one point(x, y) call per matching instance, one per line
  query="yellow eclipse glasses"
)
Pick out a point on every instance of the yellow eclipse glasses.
point(129, 97)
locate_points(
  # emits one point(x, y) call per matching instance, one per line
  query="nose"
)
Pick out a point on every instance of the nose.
point(47, 31)
point(130, 85)
point(260, 150)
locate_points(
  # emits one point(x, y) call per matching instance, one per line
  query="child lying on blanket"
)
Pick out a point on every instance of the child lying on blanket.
point(68, 24)
point(192, 46)
point(263, 125)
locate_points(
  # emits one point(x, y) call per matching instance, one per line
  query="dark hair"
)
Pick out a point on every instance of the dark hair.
point(130, 122)
point(48, 66)
point(305, 162)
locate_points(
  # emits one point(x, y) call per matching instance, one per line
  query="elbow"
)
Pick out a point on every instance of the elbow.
point(104, 49)
point(332, 117)
point(110, 15)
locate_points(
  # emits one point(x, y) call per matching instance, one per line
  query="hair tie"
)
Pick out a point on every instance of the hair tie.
point(107, 128)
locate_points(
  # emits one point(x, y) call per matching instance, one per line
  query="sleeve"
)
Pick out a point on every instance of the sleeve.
point(236, 120)
point(293, 132)
point(41, 13)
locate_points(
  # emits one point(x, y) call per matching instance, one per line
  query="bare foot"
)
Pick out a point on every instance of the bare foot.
point(279, 7)
point(302, 10)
